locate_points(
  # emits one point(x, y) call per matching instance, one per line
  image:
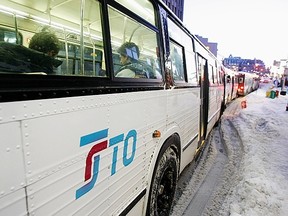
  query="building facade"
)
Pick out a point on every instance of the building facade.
point(245, 65)
point(177, 6)
point(213, 47)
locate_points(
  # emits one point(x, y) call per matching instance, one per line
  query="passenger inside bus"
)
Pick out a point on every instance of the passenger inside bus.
point(129, 55)
point(131, 65)
point(45, 42)
point(39, 57)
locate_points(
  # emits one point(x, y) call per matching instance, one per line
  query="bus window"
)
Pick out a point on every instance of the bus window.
point(191, 68)
point(216, 74)
point(241, 80)
point(186, 51)
point(211, 75)
point(176, 53)
point(143, 8)
point(81, 42)
point(9, 36)
point(92, 53)
point(92, 60)
point(201, 68)
point(221, 74)
point(136, 47)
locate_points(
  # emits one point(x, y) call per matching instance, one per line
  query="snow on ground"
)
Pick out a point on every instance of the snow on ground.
point(261, 187)
point(255, 177)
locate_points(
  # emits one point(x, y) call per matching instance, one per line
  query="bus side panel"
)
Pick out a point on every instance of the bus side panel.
point(14, 203)
point(145, 112)
point(12, 180)
point(183, 110)
point(215, 95)
point(57, 158)
point(61, 133)
point(228, 90)
point(139, 207)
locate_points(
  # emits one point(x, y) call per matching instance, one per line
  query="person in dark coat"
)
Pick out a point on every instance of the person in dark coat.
point(39, 57)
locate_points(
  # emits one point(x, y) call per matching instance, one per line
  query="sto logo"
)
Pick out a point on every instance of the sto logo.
point(94, 153)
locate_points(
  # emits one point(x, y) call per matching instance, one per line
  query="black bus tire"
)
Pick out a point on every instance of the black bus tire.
point(163, 184)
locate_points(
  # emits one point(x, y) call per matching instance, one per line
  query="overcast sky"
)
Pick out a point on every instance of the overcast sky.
point(246, 28)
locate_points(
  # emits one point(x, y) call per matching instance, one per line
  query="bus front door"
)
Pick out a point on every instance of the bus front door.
point(204, 97)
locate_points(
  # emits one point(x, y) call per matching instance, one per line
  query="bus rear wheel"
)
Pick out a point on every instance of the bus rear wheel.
point(163, 184)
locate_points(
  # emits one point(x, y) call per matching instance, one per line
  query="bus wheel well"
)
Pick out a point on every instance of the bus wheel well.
point(176, 146)
point(164, 178)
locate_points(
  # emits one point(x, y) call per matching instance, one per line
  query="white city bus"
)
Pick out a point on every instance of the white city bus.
point(82, 141)
point(231, 84)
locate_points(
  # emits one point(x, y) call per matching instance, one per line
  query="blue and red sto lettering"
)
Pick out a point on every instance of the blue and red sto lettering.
point(95, 153)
